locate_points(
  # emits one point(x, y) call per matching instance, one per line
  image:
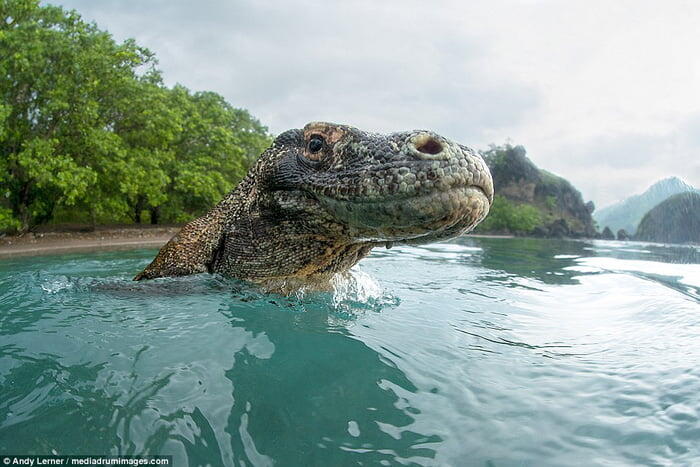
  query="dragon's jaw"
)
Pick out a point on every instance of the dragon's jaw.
point(440, 214)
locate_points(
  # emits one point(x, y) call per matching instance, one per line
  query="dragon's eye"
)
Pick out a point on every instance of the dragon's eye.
point(315, 144)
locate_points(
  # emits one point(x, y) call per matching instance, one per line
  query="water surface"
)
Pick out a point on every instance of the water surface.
point(491, 352)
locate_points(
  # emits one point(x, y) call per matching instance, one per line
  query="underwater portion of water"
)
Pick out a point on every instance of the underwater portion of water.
point(481, 351)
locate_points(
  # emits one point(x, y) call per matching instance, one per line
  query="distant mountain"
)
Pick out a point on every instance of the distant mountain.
point(533, 201)
point(628, 213)
point(676, 220)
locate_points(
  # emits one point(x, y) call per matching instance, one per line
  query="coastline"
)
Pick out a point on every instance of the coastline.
point(75, 239)
point(100, 239)
point(78, 239)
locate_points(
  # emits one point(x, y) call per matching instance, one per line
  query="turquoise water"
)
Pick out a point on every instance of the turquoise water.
point(490, 352)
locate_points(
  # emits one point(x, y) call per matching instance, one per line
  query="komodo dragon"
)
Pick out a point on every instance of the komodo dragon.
point(319, 199)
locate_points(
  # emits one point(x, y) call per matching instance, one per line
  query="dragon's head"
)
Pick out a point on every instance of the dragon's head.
point(413, 186)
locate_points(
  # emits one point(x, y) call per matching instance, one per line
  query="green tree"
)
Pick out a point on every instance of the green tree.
point(88, 130)
point(213, 151)
point(58, 75)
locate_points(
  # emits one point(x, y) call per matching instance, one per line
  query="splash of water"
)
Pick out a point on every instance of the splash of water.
point(356, 285)
point(56, 284)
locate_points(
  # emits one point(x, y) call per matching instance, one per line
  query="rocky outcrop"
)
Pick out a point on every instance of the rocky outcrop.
point(563, 210)
point(607, 234)
point(676, 220)
point(622, 235)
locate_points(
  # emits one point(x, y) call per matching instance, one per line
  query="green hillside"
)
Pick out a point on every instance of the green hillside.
point(533, 201)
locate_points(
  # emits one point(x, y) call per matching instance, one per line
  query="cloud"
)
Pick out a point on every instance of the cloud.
point(379, 66)
point(602, 93)
point(616, 165)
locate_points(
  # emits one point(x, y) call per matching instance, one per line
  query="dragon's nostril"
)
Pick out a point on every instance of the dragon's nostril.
point(430, 146)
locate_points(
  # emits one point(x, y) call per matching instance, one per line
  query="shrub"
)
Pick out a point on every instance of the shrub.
point(506, 216)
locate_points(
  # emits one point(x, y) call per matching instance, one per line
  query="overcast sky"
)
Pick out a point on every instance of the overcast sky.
point(604, 93)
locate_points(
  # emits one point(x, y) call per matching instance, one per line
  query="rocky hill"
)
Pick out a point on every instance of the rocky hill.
point(540, 202)
point(627, 213)
point(676, 220)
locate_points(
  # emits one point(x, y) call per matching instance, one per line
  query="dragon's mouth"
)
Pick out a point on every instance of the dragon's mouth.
point(432, 214)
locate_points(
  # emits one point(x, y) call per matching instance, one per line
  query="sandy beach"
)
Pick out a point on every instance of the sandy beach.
point(102, 238)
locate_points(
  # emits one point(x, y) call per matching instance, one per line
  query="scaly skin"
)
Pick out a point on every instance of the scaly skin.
point(319, 199)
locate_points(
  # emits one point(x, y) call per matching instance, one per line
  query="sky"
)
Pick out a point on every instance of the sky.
point(605, 94)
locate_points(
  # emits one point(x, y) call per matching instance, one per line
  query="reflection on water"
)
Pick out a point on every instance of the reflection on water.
point(475, 352)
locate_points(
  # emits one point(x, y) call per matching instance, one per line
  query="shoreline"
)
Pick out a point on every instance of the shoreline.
point(101, 239)
point(79, 246)
point(109, 238)
point(77, 238)
point(104, 238)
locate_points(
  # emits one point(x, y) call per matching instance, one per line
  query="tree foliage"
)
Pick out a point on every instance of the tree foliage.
point(506, 216)
point(89, 132)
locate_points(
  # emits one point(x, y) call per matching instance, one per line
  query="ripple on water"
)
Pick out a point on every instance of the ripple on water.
point(475, 352)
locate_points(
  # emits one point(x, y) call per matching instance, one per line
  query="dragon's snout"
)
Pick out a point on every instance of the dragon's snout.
point(407, 186)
